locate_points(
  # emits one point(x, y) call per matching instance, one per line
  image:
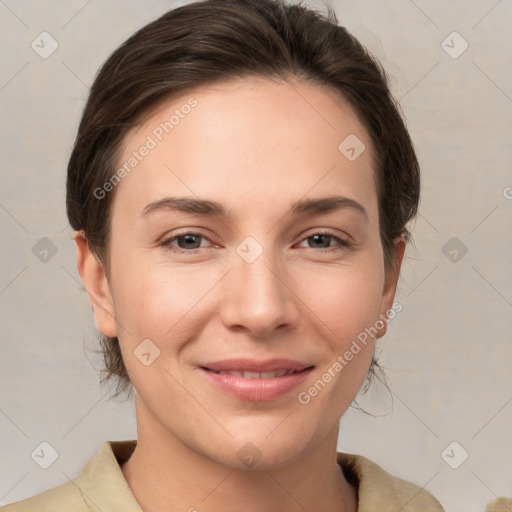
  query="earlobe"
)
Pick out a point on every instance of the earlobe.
point(95, 281)
point(391, 280)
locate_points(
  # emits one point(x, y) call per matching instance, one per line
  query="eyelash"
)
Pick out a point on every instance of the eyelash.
point(167, 243)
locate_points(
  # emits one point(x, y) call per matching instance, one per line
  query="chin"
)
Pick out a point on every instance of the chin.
point(257, 450)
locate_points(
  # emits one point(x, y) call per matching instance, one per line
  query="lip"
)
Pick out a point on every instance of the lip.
point(250, 365)
point(256, 389)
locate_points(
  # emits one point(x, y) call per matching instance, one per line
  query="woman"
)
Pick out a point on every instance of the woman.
point(265, 137)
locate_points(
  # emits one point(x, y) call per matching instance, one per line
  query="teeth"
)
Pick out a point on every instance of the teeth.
point(257, 375)
point(279, 373)
point(238, 374)
point(251, 375)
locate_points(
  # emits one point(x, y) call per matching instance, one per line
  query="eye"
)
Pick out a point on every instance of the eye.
point(190, 242)
point(324, 238)
point(186, 242)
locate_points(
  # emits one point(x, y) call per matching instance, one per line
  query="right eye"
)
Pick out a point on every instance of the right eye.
point(186, 242)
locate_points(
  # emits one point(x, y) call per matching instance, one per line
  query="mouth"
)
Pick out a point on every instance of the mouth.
point(251, 380)
point(256, 375)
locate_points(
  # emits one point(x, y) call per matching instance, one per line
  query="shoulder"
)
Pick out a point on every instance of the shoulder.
point(64, 497)
point(380, 490)
point(99, 486)
point(500, 505)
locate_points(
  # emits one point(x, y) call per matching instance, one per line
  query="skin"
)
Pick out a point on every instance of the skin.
point(255, 146)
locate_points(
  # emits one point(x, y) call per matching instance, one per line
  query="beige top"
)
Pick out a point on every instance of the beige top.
point(500, 505)
point(101, 486)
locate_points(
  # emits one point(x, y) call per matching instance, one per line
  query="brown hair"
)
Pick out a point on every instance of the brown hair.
point(218, 40)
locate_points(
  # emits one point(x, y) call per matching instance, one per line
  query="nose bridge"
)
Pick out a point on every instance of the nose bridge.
point(257, 298)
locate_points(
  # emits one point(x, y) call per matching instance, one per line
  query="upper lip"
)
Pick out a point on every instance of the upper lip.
point(250, 365)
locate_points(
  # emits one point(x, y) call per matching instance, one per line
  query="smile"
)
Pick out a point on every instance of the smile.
point(256, 381)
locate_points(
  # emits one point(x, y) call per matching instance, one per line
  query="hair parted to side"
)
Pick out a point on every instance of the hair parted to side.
point(217, 40)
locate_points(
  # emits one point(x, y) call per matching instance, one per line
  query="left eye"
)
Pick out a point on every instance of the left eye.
point(323, 238)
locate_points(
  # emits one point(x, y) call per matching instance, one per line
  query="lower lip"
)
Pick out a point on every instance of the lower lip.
point(256, 390)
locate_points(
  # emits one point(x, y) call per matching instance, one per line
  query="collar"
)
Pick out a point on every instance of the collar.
point(382, 491)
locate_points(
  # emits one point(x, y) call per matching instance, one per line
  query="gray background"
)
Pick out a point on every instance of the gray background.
point(448, 354)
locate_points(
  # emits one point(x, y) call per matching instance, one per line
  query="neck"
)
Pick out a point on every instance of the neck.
point(165, 474)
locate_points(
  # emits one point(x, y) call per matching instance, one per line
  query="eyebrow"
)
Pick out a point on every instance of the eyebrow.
point(212, 208)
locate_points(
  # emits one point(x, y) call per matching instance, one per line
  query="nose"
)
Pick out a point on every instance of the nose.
point(257, 297)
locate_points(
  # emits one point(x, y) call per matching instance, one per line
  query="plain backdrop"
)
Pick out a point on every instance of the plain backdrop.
point(448, 354)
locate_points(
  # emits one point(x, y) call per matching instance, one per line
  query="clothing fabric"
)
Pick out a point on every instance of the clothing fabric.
point(101, 486)
point(500, 505)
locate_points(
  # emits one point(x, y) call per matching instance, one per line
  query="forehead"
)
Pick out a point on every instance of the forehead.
point(251, 141)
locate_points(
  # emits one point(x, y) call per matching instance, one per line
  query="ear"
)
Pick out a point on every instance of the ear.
point(95, 281)
point(391, 281)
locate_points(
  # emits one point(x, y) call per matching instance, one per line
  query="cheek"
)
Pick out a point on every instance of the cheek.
point(157, 302)
point(162, 307)
point(347, 302)
point(346, 299)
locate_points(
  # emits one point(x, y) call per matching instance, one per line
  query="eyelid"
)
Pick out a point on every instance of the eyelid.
point(326, 231)
point(167, 240)
point(342, 243)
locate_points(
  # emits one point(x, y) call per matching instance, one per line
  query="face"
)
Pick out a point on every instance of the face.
point(236, 309)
